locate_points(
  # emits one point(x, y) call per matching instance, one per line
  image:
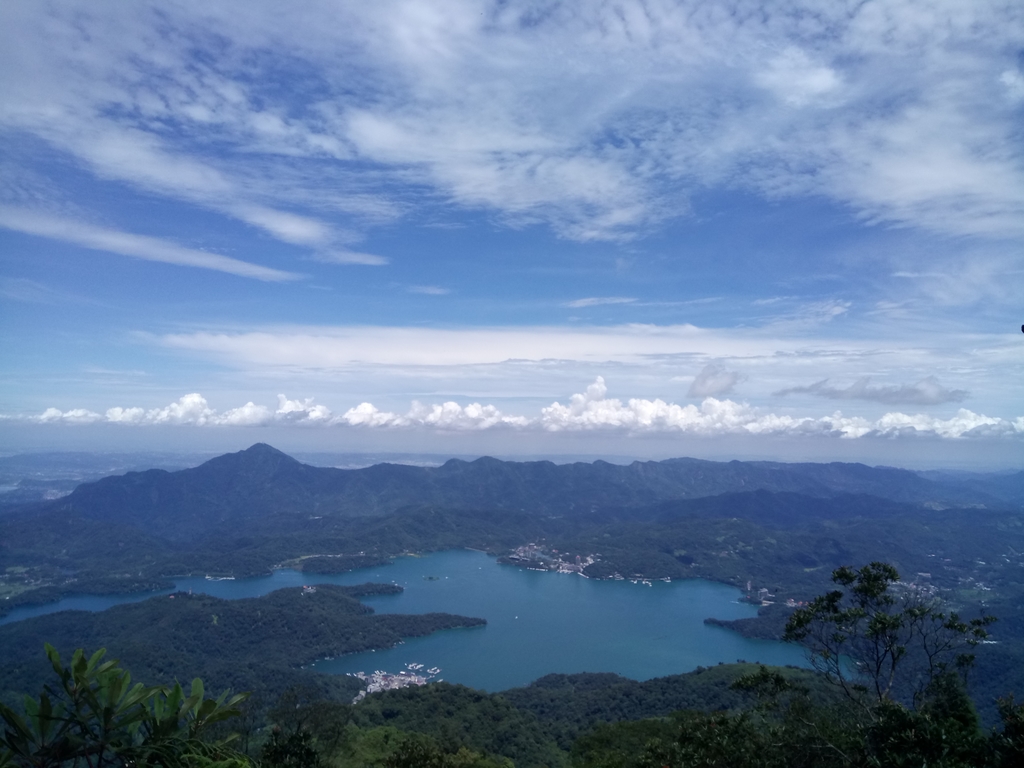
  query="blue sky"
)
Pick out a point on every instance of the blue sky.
point(616, 228)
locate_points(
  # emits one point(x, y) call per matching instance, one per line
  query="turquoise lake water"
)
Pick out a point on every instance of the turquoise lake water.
point(538, 622)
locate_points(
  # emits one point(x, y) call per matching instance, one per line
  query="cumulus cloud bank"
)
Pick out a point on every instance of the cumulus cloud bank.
point(447, 416)
point(193, 409)
point(928, 391)
point(588, 410)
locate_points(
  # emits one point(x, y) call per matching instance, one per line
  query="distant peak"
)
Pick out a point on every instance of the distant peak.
point(262, 449)
point(487, 460)
point(258, 454)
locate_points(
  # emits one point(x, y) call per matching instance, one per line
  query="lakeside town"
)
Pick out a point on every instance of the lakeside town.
point(379, 680)
point(538, 557)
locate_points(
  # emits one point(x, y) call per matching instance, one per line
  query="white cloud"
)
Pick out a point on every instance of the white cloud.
point(928, 391)
point(532, 361)
point(796, 79)
point(429, 290)
point(596, 301)
point(713, 380)
point(289, 227)
point(128, 244)
point(368, 415)
point(586, 411)
point(524, 365)
point(963, 423)
point(74, 416)
point(992, 278)
point(341, 346)
point(448, 416)
point(143, 159)
point(598, 119)
point(249, 415)
point(301, 410)
point(593, 410)
point(452, 416)
point(190, 409)
point(129, 105)
point(118, 415)
point(193, 409)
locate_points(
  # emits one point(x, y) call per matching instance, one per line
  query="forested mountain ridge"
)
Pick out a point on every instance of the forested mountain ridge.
point(246, 513)
point(262, 481)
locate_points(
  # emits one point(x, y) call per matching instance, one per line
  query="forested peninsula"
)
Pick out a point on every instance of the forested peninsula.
point(251, 644)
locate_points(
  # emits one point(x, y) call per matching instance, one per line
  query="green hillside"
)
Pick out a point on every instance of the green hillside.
point(254, 644)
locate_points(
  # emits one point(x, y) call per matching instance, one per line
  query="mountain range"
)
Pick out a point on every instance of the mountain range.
point(262, 483)
point(780, 526)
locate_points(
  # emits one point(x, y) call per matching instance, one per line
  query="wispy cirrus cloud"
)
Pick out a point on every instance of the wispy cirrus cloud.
point(97, 238)
point(597, 301)
point(769, 358)
point(22, 289)
point(346, 256)
point(809, 315)
point(521, 364)
point(342, 346)
point(150, 156)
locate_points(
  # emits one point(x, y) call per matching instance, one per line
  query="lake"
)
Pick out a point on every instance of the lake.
point(538, 622)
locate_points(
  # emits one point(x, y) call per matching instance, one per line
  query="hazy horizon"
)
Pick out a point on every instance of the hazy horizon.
point(357, 457)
